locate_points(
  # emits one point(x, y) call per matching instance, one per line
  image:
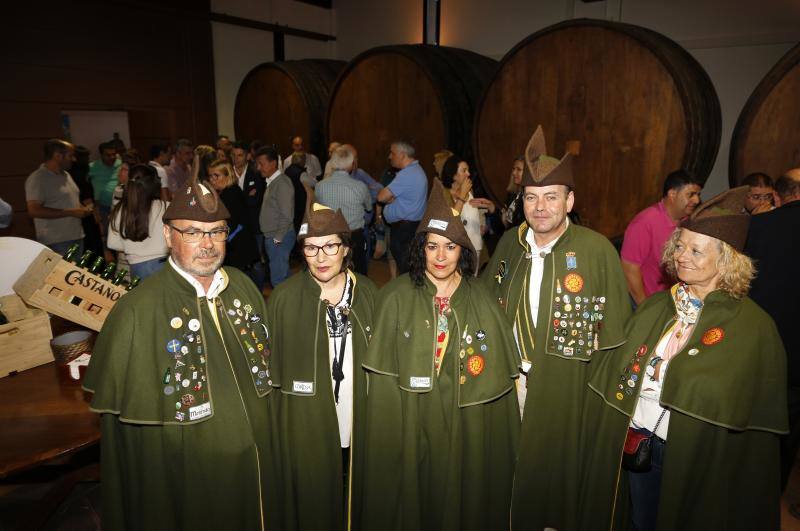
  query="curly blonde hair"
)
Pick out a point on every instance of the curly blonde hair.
point(736, 269)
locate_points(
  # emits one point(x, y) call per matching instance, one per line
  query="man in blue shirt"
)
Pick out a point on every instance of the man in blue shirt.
point(341, 191)
point(405, 200)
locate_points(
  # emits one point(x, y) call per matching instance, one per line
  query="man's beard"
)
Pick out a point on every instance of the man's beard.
point(206, 271)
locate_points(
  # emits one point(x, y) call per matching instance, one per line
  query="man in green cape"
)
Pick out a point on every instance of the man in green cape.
point(562, 288)
point(181, 377)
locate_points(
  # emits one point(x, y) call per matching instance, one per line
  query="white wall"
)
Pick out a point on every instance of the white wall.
point(237, 50)
point(364, 24)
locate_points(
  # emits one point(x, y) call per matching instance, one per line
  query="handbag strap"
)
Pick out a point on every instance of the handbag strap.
point(663, 412)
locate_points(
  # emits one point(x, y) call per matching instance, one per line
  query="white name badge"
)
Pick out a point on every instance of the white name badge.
point(198, 412)
point(568, 351)
point(420, 381)
point(302, 387)
point(437, 224)
point(303, 230)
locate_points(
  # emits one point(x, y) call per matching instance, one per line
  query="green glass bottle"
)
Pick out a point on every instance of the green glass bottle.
point(97, 265)
point(108, 272)
point(72, 252)
point(119, 277)
point(134, 282)
point(85, 259)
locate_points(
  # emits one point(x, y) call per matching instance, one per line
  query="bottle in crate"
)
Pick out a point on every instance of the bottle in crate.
point(72, 252)
point(108, 272)
point(85, 259)
point(97, 265)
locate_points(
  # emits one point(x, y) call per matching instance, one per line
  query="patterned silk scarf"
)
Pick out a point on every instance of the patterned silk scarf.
point(442, 330)
point(688, 311)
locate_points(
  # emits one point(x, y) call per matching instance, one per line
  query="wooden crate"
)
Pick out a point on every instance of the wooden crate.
point(25, 340)
point(69, 291)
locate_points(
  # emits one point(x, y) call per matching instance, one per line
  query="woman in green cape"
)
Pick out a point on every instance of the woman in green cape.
point(320, 321)
point(442, 422)
point(704, 373)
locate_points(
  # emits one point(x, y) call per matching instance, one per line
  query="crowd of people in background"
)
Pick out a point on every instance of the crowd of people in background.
point(518, 296)
point(267, 217)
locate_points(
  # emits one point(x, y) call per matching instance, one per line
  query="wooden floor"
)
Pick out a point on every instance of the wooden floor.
point(792, 495)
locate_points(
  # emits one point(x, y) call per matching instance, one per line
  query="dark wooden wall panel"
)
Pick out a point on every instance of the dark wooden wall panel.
point(152, 59)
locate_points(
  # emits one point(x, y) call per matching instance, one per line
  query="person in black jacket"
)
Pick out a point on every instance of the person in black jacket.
point(252, 184)
point(295, 170)
point(773, 243)
point(92, 241)
point(241, 251)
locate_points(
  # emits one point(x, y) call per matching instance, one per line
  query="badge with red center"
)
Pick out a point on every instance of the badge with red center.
point(573, 282)
point(642, 351)
point(712, 336)
point(475, 364)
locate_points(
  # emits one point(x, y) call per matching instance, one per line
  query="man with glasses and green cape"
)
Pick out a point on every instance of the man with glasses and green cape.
point(181, 377)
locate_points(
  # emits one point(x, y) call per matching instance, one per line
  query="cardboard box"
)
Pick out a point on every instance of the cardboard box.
point(25, 340)
point(64, 289)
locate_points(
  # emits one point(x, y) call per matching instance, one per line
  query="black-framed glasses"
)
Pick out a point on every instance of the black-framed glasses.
point(194, 235)
point(330, 249)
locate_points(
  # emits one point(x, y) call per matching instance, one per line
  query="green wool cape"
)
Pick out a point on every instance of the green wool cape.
point(726, 393)
point(440, 450)
point(310, 452)
point(583, 308)
point(184, 409)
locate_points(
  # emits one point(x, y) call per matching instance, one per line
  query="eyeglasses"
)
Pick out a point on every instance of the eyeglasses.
point(330, 249)
point(760, 197)
point(194, 236)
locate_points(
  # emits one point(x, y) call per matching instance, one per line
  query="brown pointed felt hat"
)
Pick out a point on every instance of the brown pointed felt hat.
point(320, 220)
point(543, 170)
point(196, 202)
point(721, 218)
point(440, 219)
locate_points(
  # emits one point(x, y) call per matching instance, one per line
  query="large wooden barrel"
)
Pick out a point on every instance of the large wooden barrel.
point(637, 102)
point(421, 93)
point(277, 101)
point(767, 138)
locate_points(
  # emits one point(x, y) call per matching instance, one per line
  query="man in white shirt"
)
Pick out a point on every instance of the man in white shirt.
point(313, 167)
point(160, 155)
point(563, 291)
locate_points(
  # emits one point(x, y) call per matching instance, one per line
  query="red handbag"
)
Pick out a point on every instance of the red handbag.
point(633, 440)
point(637, 452)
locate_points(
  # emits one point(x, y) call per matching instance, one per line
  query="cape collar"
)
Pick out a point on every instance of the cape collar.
point(314, 290)
point(217, 286)
point(430, 289)
point(522, 232)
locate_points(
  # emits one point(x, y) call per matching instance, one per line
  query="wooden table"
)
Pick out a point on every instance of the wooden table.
point(42, 418)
